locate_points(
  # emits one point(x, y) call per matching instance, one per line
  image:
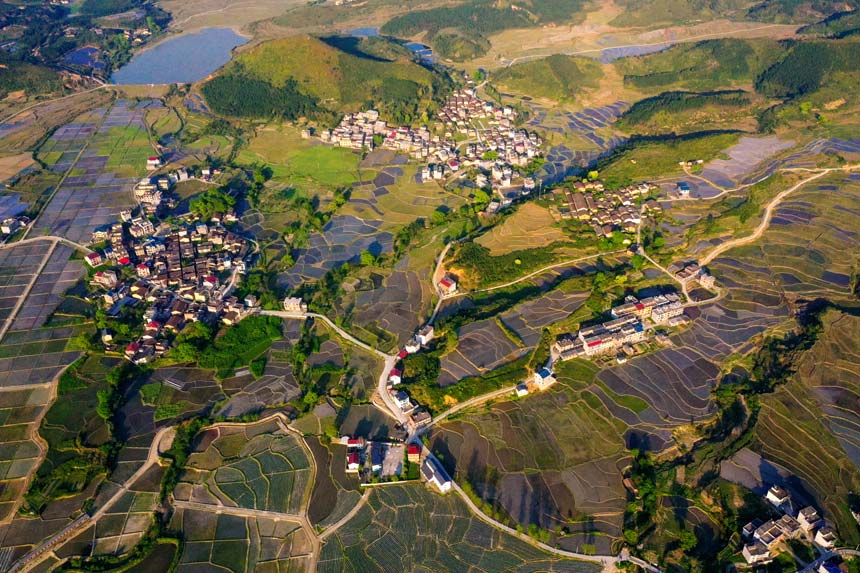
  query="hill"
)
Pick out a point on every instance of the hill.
point(347, 74)
point(666, 12)
point(838, 25)
point(33, 79)
point(467, 25)
point(557, 77)
point(704, 66)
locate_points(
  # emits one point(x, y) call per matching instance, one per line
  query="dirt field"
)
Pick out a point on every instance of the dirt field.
point(191, 16)
point(596, 38)
point(531, 226)
point(13, 164)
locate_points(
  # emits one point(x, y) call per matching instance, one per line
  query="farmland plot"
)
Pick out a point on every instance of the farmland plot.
point(552, 459)
point(19, 410)
point(229, 543)
point(406, 528)
point(105, 154)
point(257, 467)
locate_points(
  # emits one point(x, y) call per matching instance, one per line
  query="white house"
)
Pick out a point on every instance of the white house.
point(778, 496)
point(435, 474)
point(544, 379)
point(826, 538)
point(755, 553)
point(808, 518)
point(394, 376)
point(425, 335)
point(412, 346)
point(522, 389)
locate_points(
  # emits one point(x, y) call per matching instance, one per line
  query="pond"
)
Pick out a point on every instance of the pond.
point(184, 59)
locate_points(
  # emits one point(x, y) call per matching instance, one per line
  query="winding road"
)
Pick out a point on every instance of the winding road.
point(768, 215)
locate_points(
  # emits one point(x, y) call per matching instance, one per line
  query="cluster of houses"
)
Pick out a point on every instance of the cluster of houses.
point(464, 106)
point(624, 330)
point(607, 211)
point(384, 460)
point(358, 131)
point(689, 271)
point(377, 458)
point(152, 192)
point(765, 540)
point(418, 415)
point(499, 147)
point(495, 153)
point(11, 225)
point(176, 274)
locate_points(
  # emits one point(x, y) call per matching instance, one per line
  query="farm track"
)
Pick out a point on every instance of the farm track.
point(343, 520)
point(22, 298)
point(9, 118)
point(768, 214)
point(50, 545)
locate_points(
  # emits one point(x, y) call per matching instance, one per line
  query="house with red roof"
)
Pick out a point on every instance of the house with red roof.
point(395, 376)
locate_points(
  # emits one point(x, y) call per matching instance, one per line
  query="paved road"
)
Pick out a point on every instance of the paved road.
point(54, 238)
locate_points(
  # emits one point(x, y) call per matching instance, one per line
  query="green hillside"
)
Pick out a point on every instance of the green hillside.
point(33, 79)
point(665, 12)
point(461, 30)
point(346, 74)
point(557, 77)
point(704, 66)
point(837, 25)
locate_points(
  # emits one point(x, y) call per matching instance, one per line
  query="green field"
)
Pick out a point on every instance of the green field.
point(651, 159)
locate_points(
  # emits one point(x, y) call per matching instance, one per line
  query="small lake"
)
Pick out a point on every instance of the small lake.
point(184, 59)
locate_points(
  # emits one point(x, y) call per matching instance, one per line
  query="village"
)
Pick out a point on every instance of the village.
point(765, 540)
point(490, 154)
point(182, 272)
point(605, 211)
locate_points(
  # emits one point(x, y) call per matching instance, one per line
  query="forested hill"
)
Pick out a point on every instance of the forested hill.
point(301, 75)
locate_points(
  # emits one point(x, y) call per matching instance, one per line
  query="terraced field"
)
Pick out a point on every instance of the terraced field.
point(406, 528)
point(565, 433)
point(810, 425)
point(19, 412)
point(254, 467)
point(226, 543)
point(531, 226)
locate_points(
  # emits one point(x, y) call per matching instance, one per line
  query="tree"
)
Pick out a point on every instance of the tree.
point(310, 398)
point(594, 174)
point(688, 540)
point(437, 217)
point(210, 202)
point(637, 261)
point(482, 199)
point(367, 259)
